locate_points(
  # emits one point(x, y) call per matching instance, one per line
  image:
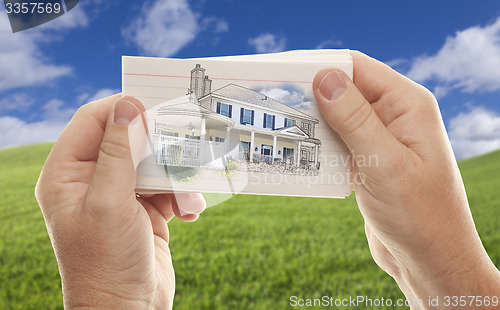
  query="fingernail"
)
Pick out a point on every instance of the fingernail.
point(190, 203)
point(332, 85)
point(124, 113)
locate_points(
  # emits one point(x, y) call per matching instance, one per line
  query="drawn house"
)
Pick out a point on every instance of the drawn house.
point(233, 123)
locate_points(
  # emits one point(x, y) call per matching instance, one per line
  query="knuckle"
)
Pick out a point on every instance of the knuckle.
point(51, 197)
point(45, 193)
point(114, 149)
point(40, 193)
point(425, 96)
point(355, 118)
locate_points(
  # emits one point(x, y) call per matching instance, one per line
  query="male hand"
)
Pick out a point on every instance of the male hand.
point(418, 223)
point(111, 247)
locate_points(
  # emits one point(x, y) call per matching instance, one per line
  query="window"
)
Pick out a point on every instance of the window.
point(246, 116)
point(191, 137)
point(169, 133)
point(304, 155)
point(245, 146)
point(218, 139)
point(289, 122)
point(268, 121)
point(224, 109)
point(306, 127)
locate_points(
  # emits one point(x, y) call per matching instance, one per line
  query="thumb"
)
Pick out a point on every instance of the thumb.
point(114, 178)
point(347, 112)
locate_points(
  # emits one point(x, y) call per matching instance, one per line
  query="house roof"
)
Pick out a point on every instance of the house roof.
point(182, 105)
point(240, 93)
point(185, 106)
point(294, 130)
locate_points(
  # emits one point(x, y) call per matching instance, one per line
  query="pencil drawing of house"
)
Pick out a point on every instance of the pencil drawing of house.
point(233, 123)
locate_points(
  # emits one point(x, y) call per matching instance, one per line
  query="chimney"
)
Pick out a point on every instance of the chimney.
point(197, 81)
point(207, 86)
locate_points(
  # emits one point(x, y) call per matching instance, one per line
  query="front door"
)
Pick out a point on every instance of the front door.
point(288, 155)
point(266, 152)
point(245, 150)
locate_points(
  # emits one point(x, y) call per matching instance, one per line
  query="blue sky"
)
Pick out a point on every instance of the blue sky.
point(451, 47)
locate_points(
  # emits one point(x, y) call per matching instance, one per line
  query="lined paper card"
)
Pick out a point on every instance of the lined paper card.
point(238, 124)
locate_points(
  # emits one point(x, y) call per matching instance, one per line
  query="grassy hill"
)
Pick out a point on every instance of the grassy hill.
point(251, 252)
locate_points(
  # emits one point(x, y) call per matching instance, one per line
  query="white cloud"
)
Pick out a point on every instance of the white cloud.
point(163, 28)
point(21, 61)
point(221, 26)
point(23, 64)
point(268, 43)
point(99, 94)
point(54, 117)
point(291, 98)
point(73, 19)
point(17, 132)
point(475, 132)
point(216, 24)
point(396, 62)
point(102, 93)
point(469, 61)
point(330, 43)
point(54, 111)
point(16, 102)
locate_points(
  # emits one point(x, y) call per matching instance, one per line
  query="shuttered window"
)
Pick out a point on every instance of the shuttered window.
point(224, 109)
point(269, 121)
point(246, 116)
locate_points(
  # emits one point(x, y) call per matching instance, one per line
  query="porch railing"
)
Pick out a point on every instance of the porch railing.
point(176, 151)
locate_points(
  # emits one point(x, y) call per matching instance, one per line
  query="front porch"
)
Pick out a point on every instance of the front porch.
point(280, 157)
point(277, 148)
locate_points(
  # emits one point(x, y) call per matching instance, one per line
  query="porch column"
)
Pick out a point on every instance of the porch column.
point(203, 130)
point(252, 146)
point(203, 134)
point(299, 146)
point(227, 140)
point(316, 149)
point(275, 151)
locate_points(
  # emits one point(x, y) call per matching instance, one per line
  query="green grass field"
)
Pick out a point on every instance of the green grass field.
point(250, 252)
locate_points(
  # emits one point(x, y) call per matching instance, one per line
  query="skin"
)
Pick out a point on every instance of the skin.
point(417, 218)
point(112, 248)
